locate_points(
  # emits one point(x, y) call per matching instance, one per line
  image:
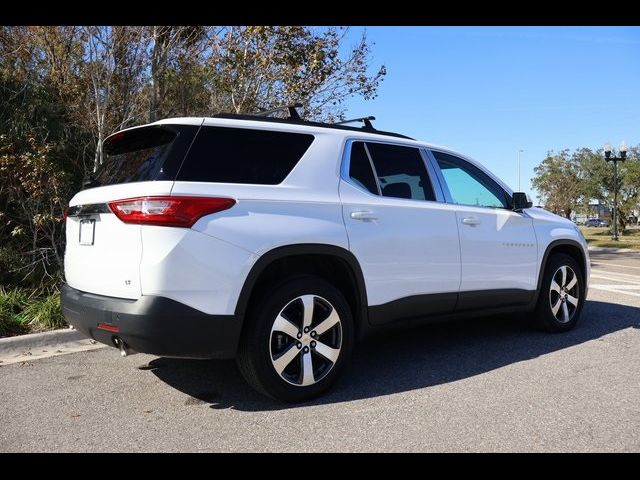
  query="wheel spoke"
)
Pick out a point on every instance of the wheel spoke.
point(285, 326)
point(328, 323)
point(285, 359)
point(563, 269)
point(565, 312)
point(555, 287)
point(556, 307)
point(307, 302)
point(327, 352)
point(307, 370)
point(572, 300)
point(572, 282)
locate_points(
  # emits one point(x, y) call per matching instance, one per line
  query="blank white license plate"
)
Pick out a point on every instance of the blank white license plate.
point(87, 232)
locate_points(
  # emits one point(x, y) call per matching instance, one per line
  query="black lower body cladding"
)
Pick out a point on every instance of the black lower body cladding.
point(151, 324)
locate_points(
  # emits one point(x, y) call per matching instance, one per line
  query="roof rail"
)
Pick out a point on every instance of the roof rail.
point(365, 120)
point(293, 113)
point(262, 117)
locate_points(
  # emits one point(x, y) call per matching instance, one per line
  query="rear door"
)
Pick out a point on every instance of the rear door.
point(405, 240)
point(102, 253)
point(498, 246)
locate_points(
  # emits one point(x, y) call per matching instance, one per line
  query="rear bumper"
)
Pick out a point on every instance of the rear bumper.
point(152, 324)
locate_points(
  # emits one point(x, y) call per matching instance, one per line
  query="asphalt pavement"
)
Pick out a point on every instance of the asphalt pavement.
point(489, 384)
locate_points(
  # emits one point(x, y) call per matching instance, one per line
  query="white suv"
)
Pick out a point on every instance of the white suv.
point(280, 242)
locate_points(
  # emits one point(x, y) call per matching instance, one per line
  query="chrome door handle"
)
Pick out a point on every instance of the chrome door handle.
point(364, 215)
point(473, 221)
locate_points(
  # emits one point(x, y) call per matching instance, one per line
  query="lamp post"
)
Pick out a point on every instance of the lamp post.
point(615, 160)
point(519, 152)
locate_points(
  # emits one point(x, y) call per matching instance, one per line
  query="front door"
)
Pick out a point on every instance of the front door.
point(498, 246)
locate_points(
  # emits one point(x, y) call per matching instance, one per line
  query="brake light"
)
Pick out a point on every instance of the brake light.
point(168, 211)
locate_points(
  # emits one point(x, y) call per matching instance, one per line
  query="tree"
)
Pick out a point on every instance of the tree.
point(598, 178)
point(260, 67)
point(557, 180)
point(64, 89)
point(113, 69)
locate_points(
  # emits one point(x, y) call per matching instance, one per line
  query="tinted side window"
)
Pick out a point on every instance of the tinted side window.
point(468, 184)
point(360, 170)
point(241, 155)
point(401, 171)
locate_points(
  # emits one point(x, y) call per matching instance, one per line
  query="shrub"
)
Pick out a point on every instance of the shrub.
point(12, 304)
point(24, 311)
point(43, 314)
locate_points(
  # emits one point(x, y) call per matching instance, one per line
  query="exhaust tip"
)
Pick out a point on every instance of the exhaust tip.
point(124, 348)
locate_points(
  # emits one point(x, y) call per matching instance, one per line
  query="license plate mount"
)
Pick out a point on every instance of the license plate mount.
point(87, 231)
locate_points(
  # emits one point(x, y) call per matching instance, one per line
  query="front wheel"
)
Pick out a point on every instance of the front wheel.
point(562, 295)
point(297, 341)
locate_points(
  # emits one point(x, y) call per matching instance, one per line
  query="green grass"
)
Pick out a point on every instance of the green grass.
point(43, 314)
point(23, 311)
point(12, 303)
point(601, 237)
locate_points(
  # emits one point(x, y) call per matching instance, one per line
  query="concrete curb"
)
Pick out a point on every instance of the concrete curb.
point(25, 348)
point(21, 343)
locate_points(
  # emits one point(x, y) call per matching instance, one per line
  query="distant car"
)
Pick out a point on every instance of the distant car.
point(595, 222)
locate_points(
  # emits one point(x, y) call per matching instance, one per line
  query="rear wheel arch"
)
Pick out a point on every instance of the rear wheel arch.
point(335, 264)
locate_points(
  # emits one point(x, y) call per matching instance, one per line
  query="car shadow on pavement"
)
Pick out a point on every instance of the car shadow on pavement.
point(403, 360)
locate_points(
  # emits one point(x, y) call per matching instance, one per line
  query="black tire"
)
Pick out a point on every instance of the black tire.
point(255, 359)
point(543, 317)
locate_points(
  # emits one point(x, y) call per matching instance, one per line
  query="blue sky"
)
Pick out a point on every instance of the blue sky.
point(490, 91)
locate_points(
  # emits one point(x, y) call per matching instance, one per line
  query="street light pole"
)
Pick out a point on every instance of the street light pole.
point(615, 160)
point(519, 152)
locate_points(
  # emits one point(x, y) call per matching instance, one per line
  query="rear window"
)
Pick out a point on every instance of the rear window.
point(240, 155)
point(142, 154)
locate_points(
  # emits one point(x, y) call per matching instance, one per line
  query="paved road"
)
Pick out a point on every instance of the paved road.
point(490, 385)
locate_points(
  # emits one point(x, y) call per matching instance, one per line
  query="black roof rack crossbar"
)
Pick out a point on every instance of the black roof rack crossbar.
point(293, 121)
point(293, 113)
point(365, 120)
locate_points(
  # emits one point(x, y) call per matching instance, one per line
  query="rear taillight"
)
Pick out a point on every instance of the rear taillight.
point(168, 211)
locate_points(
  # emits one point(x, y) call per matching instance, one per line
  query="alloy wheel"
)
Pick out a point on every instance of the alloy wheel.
point(305, 340)
point(564, 294)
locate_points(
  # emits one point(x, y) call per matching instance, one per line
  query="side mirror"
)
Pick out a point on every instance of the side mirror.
point(521, 201)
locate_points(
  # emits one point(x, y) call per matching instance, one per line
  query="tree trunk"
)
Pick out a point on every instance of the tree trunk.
point(153, 101)
point(97, 161)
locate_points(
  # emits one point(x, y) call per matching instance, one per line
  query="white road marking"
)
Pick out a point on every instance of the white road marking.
point(616, 285)
point(609, 272)
point(613, 265)
point(607, 288)
point(615, 279)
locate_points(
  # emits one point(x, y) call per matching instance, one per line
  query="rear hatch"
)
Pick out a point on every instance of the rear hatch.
point(103, 253)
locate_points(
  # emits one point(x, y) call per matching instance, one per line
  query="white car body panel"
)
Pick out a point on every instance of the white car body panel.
point(500, 252)
point(111, 266)
point(411, 248)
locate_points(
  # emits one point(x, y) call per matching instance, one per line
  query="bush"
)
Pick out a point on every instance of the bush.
point(43, 314)
point(12, 304)
point(23, 311)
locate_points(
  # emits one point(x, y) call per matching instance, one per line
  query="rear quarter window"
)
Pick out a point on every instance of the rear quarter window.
point(241, 155)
